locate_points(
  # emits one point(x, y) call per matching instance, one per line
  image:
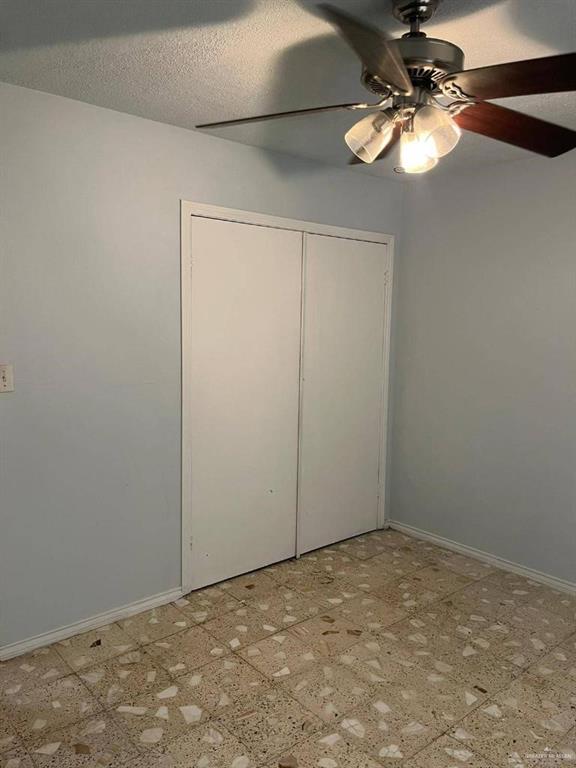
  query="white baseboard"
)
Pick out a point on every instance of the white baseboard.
point(498, 562)
point(94, 622)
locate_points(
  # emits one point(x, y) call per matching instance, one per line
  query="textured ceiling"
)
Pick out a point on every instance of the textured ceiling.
point(189, 61)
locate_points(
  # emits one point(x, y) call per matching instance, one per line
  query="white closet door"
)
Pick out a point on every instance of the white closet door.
point(246, 299)
point(342, 370)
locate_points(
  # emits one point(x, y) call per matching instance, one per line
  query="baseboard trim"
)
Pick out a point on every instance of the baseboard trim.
point(94, 622)
point(499, 562)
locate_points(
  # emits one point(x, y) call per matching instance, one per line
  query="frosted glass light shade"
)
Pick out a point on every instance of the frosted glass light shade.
point(368, 137)
point(437, 130)
point(413, 156)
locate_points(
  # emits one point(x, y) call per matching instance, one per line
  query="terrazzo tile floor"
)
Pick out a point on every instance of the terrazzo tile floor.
point(378, 651)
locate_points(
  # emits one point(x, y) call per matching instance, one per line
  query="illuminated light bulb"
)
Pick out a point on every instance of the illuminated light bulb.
point(369, 136)
point(413, 156)
point(437, 130)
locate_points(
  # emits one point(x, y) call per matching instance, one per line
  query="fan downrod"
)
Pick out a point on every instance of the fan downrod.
point(414, 13)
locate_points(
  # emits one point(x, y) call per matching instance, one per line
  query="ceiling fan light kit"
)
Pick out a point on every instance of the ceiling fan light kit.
point(426, 97)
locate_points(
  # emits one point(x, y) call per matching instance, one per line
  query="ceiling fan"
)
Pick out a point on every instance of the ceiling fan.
point(425, 97)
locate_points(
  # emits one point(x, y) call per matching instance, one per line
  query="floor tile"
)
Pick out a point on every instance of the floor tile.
point(557, 667)
point(158, 717)
point(224, 682)
point(155, 624)
point(363, 547)
point(185, 651)
point(409, 595)
point(241, 627)
point(446, 753)
point(503, 736)
point(249, 586)
point(328, 690)
point(526, 695)
point(39, 710)
point(16, 758)
point(327, 750)
point(37, 668)
point(328, 634)
point(522, 650)
point(551, 627)
point(283, 606)
point(561, 603)
point(465, 566)
point(269, 724)
point(332, 562)
point(206, 604)
point(124, 678)
point(209, 746)
point(386, 734)
point(438, 579)
point(373, 661)
point(9, 740)
point(280, 655)
point(98, 741)
point(370, 613)
point(94, 647)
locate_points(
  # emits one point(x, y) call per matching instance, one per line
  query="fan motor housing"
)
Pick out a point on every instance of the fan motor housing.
point(428, 59)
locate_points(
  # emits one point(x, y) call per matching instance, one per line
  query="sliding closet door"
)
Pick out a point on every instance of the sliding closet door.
point(344, 310)
point(246, 307)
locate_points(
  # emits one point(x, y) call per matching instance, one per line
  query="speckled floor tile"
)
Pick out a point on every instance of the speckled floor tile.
point(332, 562)
point(372, 660)
point(125, 677)
point(8, 737)
point(370, 613)
point(540, 698)
point(39, 710)
point(386, 734)
point(98, 741)
point(290, 569)
point(484, 598)
point(269, 724)
point(563, 754)
point(155, 624)
point(329, 690)
point(465, 566)
point(206, 604)
point(249, 586)
point(224, 682)
point(280, 655)
point(503, 736)
point(94, 647)
point(561, 603)
point(370, 576)
point(363, 547)
point(522, 650)
point(446, 753)
point(409, 595)
point(434, 696)
point(557, 667)
point(325, 750)
point(284, 606)
point(185, 651)
point(401, 562)
point(328, 634)
point(16, 758)
point(551, 627)
point(241, 627)
point(158, 717)
point(32, 669)
point(440, 580)
point(209, 746)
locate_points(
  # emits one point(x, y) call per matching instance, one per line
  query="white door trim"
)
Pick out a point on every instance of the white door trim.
point(189, 209)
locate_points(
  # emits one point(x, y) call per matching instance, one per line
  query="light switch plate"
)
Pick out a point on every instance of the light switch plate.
point(6, 377)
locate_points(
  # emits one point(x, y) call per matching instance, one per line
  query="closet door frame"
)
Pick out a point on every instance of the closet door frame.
point(187, 211)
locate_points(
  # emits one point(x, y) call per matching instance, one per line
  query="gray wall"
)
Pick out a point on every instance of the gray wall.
point(89, 303)
point(484, 415)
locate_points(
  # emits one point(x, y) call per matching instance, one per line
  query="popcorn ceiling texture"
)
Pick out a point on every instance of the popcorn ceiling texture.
point(203, 60)
point(386, 651)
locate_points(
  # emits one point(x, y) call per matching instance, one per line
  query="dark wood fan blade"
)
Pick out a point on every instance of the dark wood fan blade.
point(378, 54)
point(551, 74)
point(385, 152)
point(277, 115)
point(516, 128)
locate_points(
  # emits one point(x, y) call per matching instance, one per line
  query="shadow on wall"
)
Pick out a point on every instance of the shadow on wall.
point(35, 23)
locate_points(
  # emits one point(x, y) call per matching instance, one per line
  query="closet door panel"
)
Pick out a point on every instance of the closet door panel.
point(246, 299)
point(342, 372)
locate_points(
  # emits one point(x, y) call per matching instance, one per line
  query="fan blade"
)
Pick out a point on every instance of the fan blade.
point(517, 128)
point(551, 74)
point(378, 54)
point(354, 160)
point(276, 115)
